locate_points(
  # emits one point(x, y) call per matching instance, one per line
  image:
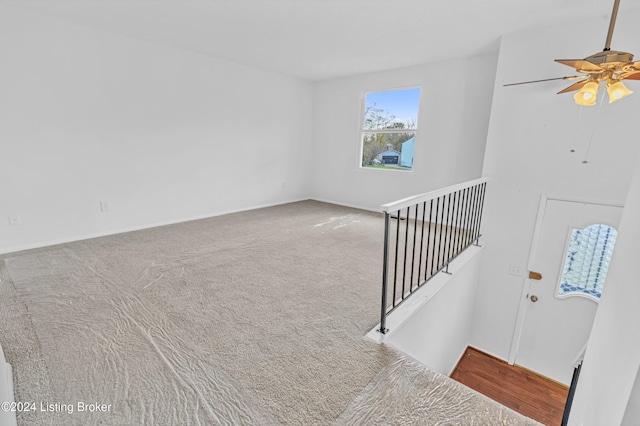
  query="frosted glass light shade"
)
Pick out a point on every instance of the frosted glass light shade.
point(617, 91)
point(587, 96)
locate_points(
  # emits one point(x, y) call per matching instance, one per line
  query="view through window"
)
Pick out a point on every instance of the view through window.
point(389, 129)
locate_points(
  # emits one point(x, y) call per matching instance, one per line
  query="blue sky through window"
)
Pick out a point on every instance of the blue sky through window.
point(403, 104)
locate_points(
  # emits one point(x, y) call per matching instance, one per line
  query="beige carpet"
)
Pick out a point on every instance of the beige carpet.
point(250, 318)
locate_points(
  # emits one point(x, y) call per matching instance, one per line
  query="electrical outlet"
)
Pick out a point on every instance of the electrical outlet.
point(14, 220)
point(516, 271)
point(105, 206)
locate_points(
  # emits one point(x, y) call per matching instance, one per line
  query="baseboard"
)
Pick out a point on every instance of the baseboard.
point(139, 227)
point(543, 377)
point(489, 353)
point(353, 206)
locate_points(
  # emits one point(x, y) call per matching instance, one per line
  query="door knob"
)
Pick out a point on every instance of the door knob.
point(534, 298)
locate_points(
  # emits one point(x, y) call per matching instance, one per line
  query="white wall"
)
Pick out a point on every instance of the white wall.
point(439, 331)
point(162, 134)
point(7, 418)
point(612, 359)
point(453, 120)
point(632, 413)
point(531, 133)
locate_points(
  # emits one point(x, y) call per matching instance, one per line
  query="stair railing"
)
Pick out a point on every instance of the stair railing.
point(423, 234)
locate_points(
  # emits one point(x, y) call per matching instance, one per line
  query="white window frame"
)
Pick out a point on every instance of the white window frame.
point(362, 130)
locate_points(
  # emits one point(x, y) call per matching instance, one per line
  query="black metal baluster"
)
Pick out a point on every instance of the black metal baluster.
point(468, 218)
point(458, 216)
point(385, 262)
point(445, 259)
point(476, 231)
point(572, 391)
point(395, 264)
point(406, 243)
point(450, 229)
point(426, 260)
point(440, 237)
point(484, 188)
point(424, 211)
point(474, 212)
point(463, 231)
point(413, 251)
point(476, 200)
point(435, 228)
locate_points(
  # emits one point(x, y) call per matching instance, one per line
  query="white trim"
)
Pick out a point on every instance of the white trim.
point(338, 203)
point(488, 352)
point(394, 88)
point(526, 282)
point(7, 418)
point(526, 285)
point(572, 199)
point(535, 242)
point(389, 169)
point(427, 196)
point(140, 227)
point(575, 294)
point(394, 130)
point(517, 330)
point(362, 131)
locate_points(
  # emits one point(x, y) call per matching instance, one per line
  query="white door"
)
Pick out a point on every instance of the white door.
point(556, 327)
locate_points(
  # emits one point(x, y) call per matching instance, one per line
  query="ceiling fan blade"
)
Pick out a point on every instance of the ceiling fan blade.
point(575, 86)
point(634, 76)
point(573, 77)
point(579, 64)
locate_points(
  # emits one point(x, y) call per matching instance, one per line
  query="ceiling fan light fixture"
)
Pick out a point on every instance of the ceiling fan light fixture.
point(609, 67)
point(617, 91)
point(587, 96)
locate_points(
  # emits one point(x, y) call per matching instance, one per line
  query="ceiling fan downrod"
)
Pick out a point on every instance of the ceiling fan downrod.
point(612, 24)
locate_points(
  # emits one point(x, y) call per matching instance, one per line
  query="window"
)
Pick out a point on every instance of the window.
point(390, 122)
point(587, 261)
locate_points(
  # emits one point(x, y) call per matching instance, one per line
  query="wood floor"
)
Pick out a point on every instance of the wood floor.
point(517, 388)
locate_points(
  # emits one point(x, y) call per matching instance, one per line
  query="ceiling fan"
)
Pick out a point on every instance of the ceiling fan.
point(608, 66)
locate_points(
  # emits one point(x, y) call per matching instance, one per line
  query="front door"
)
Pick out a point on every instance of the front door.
point(557, 319)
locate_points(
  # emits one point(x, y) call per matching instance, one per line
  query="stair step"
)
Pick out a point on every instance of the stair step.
point(407, 392)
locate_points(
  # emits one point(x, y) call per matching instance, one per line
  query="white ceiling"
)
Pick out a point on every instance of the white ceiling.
point(322, 39)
